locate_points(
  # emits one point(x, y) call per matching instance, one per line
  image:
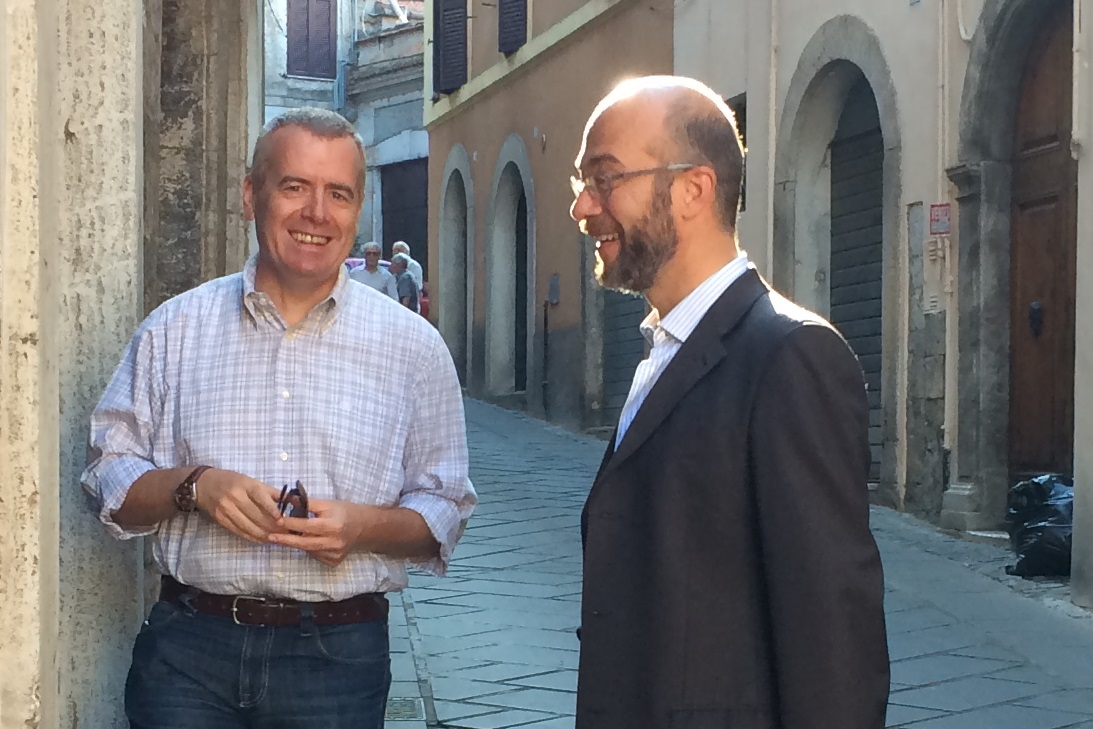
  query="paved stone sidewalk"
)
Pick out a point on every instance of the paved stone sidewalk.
point(492, 645)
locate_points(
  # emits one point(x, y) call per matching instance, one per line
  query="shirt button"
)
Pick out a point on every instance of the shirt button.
point(284, 456)
point(285, 394)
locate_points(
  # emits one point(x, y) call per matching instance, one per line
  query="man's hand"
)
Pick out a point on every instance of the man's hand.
point(341, 527)
point(242, 505)
point(329, 536)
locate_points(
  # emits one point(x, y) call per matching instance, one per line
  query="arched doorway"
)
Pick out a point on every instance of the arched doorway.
point(1017, 211)
point(837, 245)
point(452, 306)
point(856, 260)
point(520, 295)
point(508, 287)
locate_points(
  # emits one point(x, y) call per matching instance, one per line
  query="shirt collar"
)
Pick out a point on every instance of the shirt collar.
point(681, 321)
point(254, 300)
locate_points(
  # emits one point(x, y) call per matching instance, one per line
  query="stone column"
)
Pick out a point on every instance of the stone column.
point(28, 382)
point(208, 114)
point(69, 299)
point(1082, 571)
point(74, 75)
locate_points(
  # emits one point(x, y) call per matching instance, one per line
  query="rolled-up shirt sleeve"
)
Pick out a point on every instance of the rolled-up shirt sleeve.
point(438, 484)
point(123, 428)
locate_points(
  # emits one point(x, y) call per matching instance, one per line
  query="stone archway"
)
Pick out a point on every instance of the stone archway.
point(976, 498)
point(510, 366)
point(842, 52)
point(454, 297)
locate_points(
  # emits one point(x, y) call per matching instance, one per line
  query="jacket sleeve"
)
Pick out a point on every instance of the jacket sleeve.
point(810, 454)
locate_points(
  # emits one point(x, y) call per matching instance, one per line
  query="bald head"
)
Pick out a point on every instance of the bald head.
point(679, 120)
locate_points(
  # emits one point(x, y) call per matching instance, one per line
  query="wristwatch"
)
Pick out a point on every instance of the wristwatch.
point(186, 492)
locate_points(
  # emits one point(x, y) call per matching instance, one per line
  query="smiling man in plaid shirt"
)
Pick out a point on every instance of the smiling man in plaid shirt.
point(274, 376)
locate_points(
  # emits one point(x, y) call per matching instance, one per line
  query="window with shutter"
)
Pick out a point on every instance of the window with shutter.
point(512, 25)
point(449, 45)
point(312, 38)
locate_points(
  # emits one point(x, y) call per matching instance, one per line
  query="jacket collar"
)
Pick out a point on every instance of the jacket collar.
point(702, 351)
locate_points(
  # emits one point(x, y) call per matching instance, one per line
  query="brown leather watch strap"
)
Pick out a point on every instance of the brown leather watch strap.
point(196, 474)
point(186, 492)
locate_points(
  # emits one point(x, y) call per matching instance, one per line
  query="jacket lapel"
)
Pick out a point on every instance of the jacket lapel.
point(698, 355)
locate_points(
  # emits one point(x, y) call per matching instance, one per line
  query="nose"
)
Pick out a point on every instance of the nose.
point(315, 209)
point(584, 207)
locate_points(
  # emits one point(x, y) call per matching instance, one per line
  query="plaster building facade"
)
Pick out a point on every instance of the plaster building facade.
point(384, 96)
point(125, 129)
point(914, 172)
point(510, 85)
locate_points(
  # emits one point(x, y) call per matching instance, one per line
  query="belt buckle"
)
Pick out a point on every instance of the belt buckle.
point(235, 609)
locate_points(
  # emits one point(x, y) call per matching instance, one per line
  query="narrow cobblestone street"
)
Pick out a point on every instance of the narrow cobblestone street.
point(493, 644)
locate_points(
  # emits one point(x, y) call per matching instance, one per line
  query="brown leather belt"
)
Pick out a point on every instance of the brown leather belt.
point(274, 611)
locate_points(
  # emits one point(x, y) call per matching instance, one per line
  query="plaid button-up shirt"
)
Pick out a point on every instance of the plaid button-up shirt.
point(360, 401)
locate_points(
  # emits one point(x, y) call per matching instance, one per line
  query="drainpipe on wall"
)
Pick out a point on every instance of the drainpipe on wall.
point(942, 97)
point(399, 11)
point(1077, 108)
point(772, 124)
point(947, 272)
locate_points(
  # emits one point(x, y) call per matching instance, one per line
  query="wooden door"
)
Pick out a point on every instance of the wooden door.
point(1043, 261)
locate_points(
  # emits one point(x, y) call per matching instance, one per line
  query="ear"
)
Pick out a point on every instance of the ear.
point(696, 191)
point(248, 198)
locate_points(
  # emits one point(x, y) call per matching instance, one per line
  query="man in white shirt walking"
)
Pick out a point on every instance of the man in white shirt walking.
point(373, 274)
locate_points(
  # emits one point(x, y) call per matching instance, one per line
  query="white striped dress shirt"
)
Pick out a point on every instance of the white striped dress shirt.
point(665, 336)
point(360, 402)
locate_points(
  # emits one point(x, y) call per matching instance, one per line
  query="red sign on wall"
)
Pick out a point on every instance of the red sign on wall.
point(941, 222)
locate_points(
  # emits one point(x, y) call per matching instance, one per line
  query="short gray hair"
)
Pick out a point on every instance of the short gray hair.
point(372, 245)
point(320, 122)
point(401, 258)
point(400, 244)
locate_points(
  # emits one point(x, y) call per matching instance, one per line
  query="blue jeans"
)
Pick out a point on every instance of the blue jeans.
point(192, 670)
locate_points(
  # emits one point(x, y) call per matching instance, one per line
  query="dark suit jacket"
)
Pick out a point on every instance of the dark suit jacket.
point(730, 577)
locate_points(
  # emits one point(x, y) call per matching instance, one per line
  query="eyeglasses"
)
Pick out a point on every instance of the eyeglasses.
point(371, 253)
point(600, 187)
point(285, 503)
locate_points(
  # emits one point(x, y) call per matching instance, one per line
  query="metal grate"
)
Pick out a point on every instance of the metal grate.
point(405, 709)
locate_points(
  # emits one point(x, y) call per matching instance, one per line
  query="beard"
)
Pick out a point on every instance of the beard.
point(643, 249)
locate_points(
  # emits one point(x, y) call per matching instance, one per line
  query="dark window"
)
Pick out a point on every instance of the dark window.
point(739, 106)
point(449, 45)
point(512, 25)
point(313, 38)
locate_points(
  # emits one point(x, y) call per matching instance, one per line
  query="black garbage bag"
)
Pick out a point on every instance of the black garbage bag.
point(1040, 522)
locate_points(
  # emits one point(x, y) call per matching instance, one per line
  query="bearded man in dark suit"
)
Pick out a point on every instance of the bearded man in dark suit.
point(730, 577)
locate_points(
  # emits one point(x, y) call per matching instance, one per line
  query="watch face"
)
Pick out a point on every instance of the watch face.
point(184, 497)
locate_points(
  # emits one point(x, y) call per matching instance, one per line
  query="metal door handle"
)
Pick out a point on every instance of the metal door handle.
point(1036, 318)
